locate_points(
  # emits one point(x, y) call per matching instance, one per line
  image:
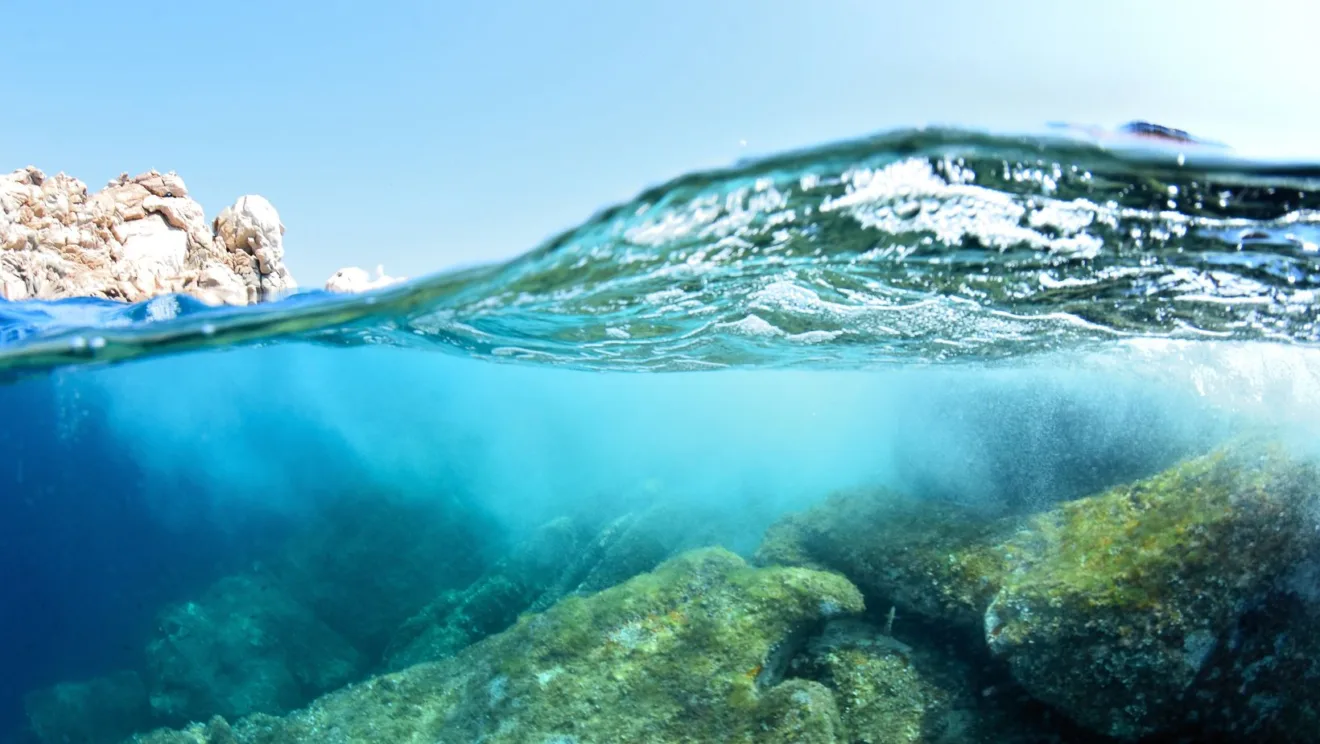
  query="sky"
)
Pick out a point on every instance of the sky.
point(426, 135)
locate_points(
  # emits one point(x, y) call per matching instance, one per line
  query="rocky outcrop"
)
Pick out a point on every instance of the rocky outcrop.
point(1127, 610)
point(694, 651)
point(137, 238)
point(352, 279)
point(561, 559)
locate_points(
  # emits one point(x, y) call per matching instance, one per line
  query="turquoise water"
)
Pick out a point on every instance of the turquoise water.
point(237, 512)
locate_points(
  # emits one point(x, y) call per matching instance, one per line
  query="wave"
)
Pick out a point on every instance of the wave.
point(912, 246)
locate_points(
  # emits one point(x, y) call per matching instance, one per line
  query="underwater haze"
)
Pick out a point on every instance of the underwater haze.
point(934, 435)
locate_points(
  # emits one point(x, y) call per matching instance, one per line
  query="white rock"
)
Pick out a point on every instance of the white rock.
point(252, 226)
point(354, 279)
point(154, 246)
point(137, 238)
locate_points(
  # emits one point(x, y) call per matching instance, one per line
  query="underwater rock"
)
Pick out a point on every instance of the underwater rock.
point(1117, 601)
point(367, 562)
point(632, 544)
point(492, 603)
point(883, 697)
point(1263, 682)
point(559, 559)
point(939, 561)
point(215, 731)
point(244, 647)
point(105, 709)
point(693, 651)
point(137, 238)
point(890, 690)
point(1107, 607)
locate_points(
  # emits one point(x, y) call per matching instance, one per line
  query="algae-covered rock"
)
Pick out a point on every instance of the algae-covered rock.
point(1117, 601)
point(105, 709)
point(882, 696)
point(632, 544)
point(691, 652)
point(924, 689)
point(245, 646)
point(559, 559)
point(799, 710)
point(215, 731)
point(940, 561)
point(1107, 607)
point(459, 618)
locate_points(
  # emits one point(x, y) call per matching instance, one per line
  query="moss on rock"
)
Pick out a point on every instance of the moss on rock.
point(937, 560)
point(1107, 607)
point(1118, 600)
point(559, 559)
point(883, 697)
point(692, 652)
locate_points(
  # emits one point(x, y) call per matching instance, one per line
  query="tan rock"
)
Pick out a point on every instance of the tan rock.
point(252, 227)
point(139, 237)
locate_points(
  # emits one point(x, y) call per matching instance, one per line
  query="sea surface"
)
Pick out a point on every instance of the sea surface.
point(1004, 323)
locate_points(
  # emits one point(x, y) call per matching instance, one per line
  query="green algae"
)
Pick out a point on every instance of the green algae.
point(1107, 607)
point(559, 559)
point(681, 654)
point(940, 561)
point(1120, 599)
point(1203, 521)
point(883, 698)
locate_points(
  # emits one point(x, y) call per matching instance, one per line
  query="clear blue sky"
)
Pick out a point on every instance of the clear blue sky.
point(424, 135)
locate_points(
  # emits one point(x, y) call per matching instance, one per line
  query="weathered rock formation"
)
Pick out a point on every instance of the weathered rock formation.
point(137, 238)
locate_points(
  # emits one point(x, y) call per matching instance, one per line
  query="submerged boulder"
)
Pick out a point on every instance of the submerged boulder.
point(369, 561)
point(246, 646)
point(562, 558)
point(137, 238)
point(883, 697)
point(102, 710)
point(693, 651)
point(939, 561)
point(1117, 601)
point(1109, 607)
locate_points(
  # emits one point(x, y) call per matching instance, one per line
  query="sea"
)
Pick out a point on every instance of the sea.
point(246, 512)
